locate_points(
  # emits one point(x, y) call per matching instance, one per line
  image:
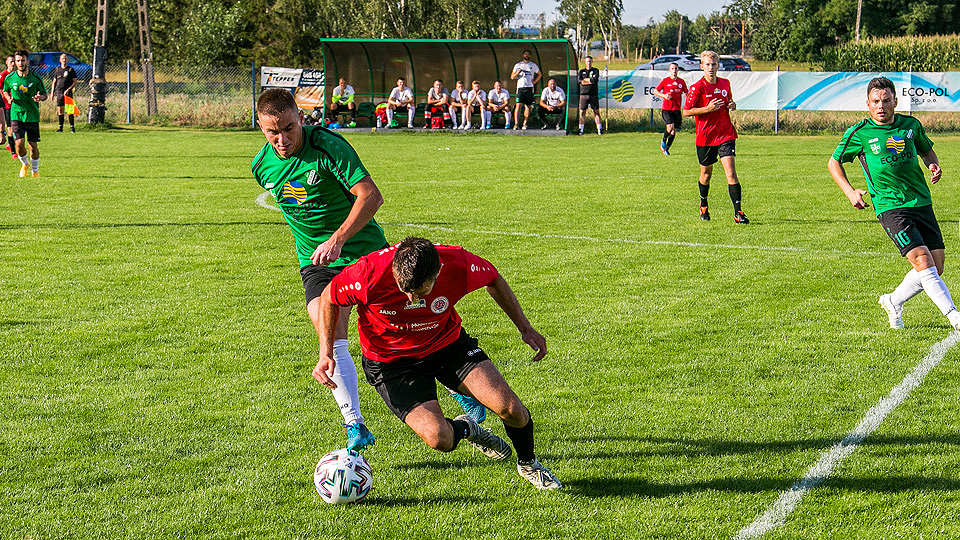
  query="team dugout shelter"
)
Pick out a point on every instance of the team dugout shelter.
point(372, 67)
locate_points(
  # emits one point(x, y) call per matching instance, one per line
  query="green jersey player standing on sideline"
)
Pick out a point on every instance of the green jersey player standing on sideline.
point(887, 145)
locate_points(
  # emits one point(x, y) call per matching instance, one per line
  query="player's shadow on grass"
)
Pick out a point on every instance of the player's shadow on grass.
point(692, 448)
point(603, 487)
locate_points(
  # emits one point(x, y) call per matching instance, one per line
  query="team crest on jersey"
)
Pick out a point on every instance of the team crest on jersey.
point(439, 304)
point(293, 192)
point(909, 133)
point(895, 144)
point(876, 148)
point(313, 178)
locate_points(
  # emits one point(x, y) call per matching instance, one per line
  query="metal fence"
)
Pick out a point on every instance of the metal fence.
point(186, 96)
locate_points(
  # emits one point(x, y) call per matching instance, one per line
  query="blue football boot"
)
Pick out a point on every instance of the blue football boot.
point(359, 437)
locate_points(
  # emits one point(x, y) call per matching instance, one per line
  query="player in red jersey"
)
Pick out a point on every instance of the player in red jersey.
point(411, 337)
point(671, 90)
point(710, 101)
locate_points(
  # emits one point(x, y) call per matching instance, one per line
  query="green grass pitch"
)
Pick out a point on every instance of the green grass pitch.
point(155, 353)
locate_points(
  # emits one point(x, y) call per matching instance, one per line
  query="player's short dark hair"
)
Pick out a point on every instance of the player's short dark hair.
point(588, 56)
point(276, 101)
point(415, 261)
point(20, 52)
point(401, 79)
point(674, 64)
point(881, 83)
point(439, 81)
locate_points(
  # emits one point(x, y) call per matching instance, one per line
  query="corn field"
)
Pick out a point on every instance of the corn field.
point(930, 53)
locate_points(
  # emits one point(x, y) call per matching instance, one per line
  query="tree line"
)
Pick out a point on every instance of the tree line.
point(287, 32)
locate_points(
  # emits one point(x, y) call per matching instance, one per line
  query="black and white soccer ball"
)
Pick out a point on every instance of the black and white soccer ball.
point(343, 476)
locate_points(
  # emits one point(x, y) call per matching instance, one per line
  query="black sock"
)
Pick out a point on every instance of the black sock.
point(670, 141)
point(460, 432)
point(704, 190)
point(71, 120)
point(60, 117)
point(735, 195)
point(522, 439)
point(665, 137)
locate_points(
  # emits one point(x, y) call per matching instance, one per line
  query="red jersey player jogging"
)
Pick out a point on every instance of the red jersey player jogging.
point(671, 90)
point(411, 336)
point(710, 101)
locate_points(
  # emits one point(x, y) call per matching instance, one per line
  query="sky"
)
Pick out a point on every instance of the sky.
point(635, 12)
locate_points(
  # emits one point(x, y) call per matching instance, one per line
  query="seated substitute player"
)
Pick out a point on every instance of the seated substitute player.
point(343, 100)
point(411, 337)
point(401, 101)
point(438, 99)
point(476, 102)
point(710, 101)
point(887, 145)
point(458, 103)
point(671, 90)
point(553, 102)
point(589, 77)
point(498, 100)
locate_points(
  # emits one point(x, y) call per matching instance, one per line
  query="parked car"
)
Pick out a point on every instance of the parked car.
point(685, 61)
point(733, 63)
point(43, 64)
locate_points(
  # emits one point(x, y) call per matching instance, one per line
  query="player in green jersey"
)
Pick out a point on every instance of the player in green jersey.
point(25, 91)
point(887, 145)
point(328, 199)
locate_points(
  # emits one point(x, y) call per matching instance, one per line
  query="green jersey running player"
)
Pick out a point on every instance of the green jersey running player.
point(328, 199)
point(887, 145)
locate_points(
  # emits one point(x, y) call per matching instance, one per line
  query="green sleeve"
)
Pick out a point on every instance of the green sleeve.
point(921, 142)
point(349, 99)
point(349, 168)
point(850, 145)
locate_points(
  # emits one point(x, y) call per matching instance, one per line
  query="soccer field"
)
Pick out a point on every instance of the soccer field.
point(155, 353)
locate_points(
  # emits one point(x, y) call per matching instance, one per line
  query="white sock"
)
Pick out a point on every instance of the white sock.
point(507, 114)
point(35, 164)
point(908, 288)
point(487, 117)
point(345, 377)
point(453, 116)
point(25, 159)
point(936, 289)
point(581, 128)
point(412, 111)
point(389, 115)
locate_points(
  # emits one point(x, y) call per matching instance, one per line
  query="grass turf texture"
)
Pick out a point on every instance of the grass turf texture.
point(156, 355)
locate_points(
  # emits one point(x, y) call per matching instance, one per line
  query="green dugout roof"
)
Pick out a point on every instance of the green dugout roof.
point(372, 66)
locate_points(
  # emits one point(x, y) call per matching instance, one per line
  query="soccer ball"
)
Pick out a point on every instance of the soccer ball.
point(342, 476)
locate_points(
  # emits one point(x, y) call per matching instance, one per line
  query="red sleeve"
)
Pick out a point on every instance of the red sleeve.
point(660, 85)
point(349, 287)
point(684, 84)
point(692, 97)
point(480, 272)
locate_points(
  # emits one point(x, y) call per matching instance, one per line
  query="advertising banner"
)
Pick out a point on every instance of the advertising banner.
point(792, 90)
point(305, 84)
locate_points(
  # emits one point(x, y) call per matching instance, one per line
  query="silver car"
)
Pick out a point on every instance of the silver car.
point(686, 62)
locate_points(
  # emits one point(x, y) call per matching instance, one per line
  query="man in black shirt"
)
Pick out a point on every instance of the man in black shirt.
point(64, 79)
point(588, 78)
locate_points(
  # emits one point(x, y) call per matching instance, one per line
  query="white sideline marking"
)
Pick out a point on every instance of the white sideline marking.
point(264, 197)
point(777, 514)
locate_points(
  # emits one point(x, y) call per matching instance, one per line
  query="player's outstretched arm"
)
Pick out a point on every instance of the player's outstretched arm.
point(503, 295)
point(932, 162)
point(855, 196)
point(326, 326)
point(364, 207)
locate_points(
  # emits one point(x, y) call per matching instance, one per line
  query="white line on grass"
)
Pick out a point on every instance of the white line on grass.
point(777, 514)
point(264, 197)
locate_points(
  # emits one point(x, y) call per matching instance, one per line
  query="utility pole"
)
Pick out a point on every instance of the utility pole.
point(98, 82)
point(680, 34)
point(146, 53)
point(859, 9)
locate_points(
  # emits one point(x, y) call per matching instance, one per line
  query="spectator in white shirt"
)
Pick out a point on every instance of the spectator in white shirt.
point(400, 101)
point(476, 101)
point(498, 100)
point(552, 102)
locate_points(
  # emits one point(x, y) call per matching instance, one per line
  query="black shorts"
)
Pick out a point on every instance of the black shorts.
point(316, 278)
point(59, 97)
point(672, 117)
point(707, 155)
point(403, 109)
point(27, 130)
point(407, 382)
point(591, 101)
point(525, 96)
point(912, 227)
